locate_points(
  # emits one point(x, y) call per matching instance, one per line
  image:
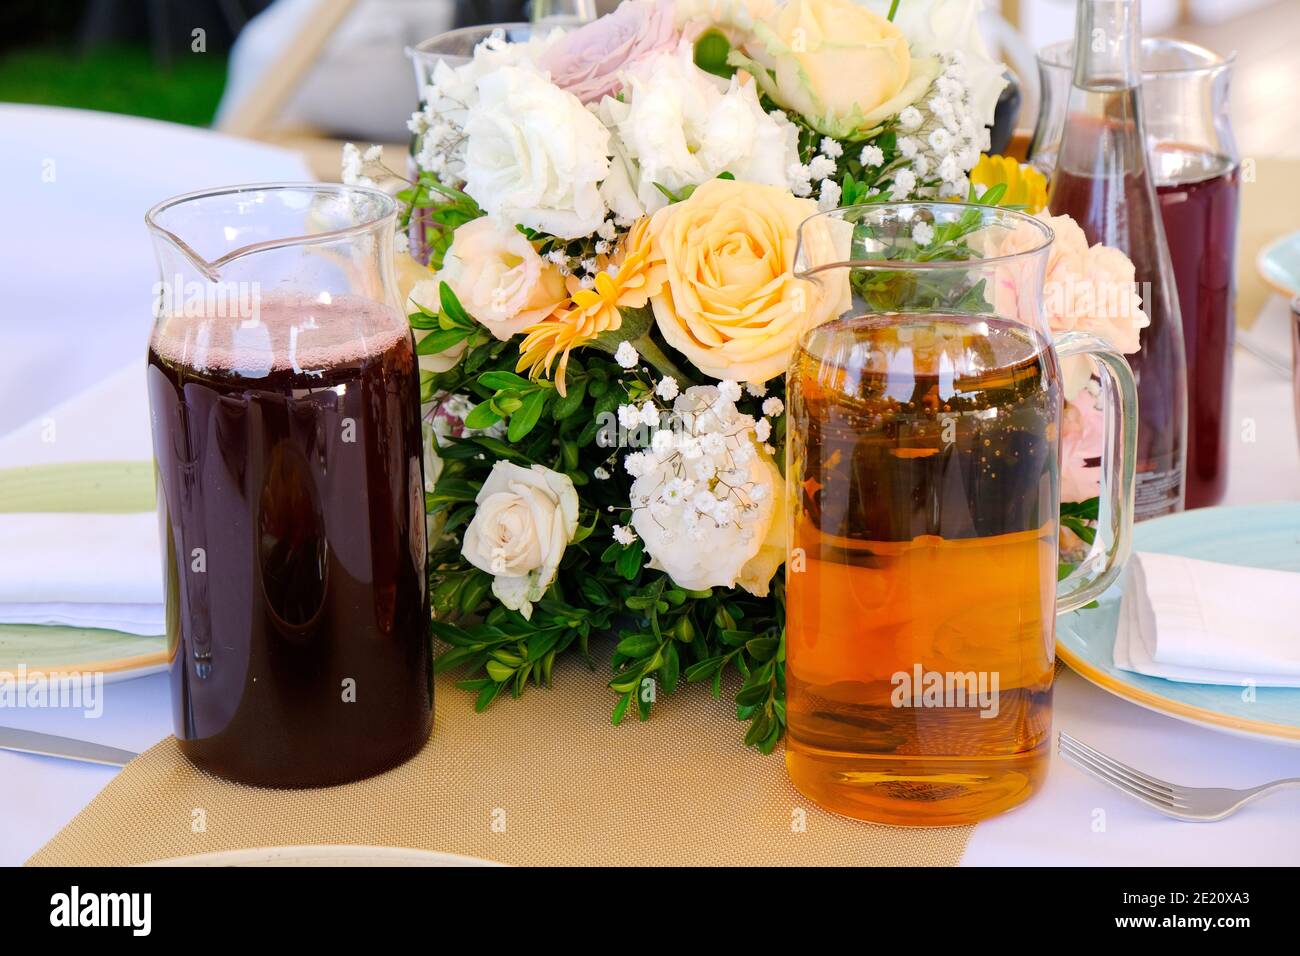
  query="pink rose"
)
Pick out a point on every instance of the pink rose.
point(1082, 433)
point(1086, 289)
point(589, 62)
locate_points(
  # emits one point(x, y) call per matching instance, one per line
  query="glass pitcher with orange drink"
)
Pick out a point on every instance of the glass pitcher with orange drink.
point(923, 481)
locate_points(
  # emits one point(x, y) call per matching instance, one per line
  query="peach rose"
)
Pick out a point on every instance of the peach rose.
point(732, 304)
point(499, 278)
point(842, 67)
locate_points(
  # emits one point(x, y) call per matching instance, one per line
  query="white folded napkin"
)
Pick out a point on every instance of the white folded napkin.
point(83, 570)
point(1207, 623)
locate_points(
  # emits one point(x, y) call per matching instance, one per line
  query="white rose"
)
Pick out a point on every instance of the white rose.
point(680, 126)
point(499, 278)
point(454, 91)
point(535, 155)
point(525, 520)
point(952, 26)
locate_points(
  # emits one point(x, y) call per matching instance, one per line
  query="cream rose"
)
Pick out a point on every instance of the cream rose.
point(525, 519)
point(839, 65)
point(499, 278)
point(732, 304)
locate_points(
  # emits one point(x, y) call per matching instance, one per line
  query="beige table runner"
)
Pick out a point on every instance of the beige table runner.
point(545, 779)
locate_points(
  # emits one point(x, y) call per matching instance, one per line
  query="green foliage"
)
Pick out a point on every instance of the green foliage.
point(1080, 517)
point(444, 210)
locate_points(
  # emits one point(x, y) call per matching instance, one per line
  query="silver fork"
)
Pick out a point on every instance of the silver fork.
point(1197, 804)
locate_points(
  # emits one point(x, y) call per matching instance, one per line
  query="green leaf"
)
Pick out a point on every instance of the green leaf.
point(451, 307)
point(566, 405)
point(634, 324)
point(762, 648)
point(486, 696)
point(422, 320)
point(500, 672)
point(628, 564)
point(474, 591)
point(482, 416)
point(502, 379)
point(993, 194)
point(704, 668)
point(637, 645)
point(670, 669)
point(440, 341)
point(525, 417)
point(620, 709)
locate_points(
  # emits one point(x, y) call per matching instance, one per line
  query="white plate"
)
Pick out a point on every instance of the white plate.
point(340, 855)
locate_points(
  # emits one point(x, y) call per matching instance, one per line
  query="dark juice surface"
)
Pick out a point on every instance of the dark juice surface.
point(1198, 203)
point(290, 492)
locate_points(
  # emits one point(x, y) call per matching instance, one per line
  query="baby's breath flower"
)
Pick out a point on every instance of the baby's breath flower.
point(773, 406)
point(821, 167)
point(829, 197)
point(626, 355)
point(624, 535)
point(910, 119)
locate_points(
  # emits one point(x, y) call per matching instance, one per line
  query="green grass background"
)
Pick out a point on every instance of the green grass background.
point(116, 79)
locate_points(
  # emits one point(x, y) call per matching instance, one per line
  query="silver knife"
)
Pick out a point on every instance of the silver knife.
point(48, 745)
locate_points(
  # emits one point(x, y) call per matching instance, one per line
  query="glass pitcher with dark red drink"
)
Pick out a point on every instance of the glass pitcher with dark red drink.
point(286, 420)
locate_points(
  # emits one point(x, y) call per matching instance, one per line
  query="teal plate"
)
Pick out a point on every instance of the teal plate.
point(1279, 264)
point(1257, 536)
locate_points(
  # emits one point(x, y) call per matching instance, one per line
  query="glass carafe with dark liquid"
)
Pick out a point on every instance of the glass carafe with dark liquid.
point(285, 399)
point(1103, 180)
point(1194, 163)
point(923, 464)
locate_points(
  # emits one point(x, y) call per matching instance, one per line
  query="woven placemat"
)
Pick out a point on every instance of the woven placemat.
point(543, 780)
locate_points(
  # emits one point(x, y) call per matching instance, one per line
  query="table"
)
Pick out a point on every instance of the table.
point(1075, 820)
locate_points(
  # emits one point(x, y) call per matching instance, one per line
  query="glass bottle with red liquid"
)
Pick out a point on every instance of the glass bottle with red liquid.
point(1194, 162)
point(1103, 180)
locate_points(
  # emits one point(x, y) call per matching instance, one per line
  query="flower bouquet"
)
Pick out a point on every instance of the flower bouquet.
point(601, 234)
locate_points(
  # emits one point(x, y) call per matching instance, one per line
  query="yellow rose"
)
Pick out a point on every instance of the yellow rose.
point(732, 304)
point(839, 65)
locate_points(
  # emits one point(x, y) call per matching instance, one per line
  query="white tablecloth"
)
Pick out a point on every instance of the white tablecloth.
point(77, 268)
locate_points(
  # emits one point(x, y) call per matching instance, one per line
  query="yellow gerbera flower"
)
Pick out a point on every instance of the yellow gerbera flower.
point(1026, 186)
point(627, 280)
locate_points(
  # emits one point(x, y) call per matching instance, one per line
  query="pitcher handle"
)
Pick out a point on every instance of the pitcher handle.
point(1110, 548)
